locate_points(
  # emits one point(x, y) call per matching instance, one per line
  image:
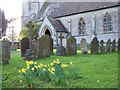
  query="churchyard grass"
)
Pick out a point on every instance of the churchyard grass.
point(95, 71)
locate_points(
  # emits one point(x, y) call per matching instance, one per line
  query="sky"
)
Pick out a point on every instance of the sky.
point(13, 8)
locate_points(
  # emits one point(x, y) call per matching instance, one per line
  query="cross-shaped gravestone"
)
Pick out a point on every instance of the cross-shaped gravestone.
point(30, 27)
point(61, 38)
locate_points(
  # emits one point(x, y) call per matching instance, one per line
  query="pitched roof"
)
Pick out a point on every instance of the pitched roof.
point(58, 26)
point(60, 9)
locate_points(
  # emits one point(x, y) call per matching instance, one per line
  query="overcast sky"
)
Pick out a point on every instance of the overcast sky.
point(12, 8)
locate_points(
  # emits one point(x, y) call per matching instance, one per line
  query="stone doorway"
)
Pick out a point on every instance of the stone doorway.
point(47, 32)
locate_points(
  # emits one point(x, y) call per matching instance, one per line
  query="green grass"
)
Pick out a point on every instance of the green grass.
point(95, 71)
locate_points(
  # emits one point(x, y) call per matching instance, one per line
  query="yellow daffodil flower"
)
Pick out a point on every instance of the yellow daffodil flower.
point(53, 69)
point(51, 64)
point(19, 71)
point(36, 66)
point(44, 69)
point(28, 67)
point(23, 70)
point(64, 65)
point(71, 62)
point(33, 69)
point(35, 62)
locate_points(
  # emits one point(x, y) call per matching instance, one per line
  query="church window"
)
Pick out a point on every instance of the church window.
point(107, 22)
point(81, 26)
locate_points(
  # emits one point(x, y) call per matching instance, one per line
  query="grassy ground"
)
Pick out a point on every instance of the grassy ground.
point(95, 71)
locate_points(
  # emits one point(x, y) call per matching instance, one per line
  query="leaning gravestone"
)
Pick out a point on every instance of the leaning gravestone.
point(102, 47)
point(119, 44)
point(94, 46)
point(71, 46)
point(108, 45)
point(4, 51)
point(43, 46)
point(113, 45)
point(24, 46)
point(83, 46)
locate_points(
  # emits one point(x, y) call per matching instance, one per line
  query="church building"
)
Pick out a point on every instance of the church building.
point(78, 19)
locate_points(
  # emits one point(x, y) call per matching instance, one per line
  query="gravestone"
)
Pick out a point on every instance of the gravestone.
point(30, 26)
point(4, 51)
point(113, 45)
point(94, 46)
point(43, 46)
point(83, 46)
point(24, 46)
point(61, 51)
point(28, 55)
point(119, 44)
point(51, 45)
point(102, 47)
point(71, 46)
point(34, 53)
point(109, 46)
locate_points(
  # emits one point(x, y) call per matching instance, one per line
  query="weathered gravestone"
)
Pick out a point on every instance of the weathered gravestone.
point(83, 46)
point(43, 46)
point(102, 47)
point(34, 53)
point(113, 45)
point(51, 45)
point(24, 46)
point(61, 51)
point(119, 44)
point(94, 46)
point(109, 46)
point(4, 51)
point(71, 46)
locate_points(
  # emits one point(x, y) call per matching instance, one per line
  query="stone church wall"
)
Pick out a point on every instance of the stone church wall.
point(88, 17)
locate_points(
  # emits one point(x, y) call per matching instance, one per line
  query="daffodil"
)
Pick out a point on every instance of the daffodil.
point(28, 67)
point(51, 64)
point(64, 65)
point(41, 64)
point(44, 69)
point(71, 62)
point(19, 71)
point(35, 62)
point(33, 69)
point(52, 72)
point(23, 70)
point(36, 66)
point(53, 69)
point(56, 62)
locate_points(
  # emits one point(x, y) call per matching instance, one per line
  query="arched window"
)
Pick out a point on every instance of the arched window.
point(81, 26)
point(107, 22)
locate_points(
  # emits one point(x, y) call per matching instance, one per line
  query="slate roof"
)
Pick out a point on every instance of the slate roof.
point(60, 9)
point(58, 26)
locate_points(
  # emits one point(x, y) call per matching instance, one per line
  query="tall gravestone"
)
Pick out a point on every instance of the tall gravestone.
point(83, 46)
point(71, 47)
point(5, 51)
point(24, 46)
point(94, 46)
point(102, 47)
point(113, 45)
point(119, 44)
point(109, 45)
point(51, 45)
point(43, 46)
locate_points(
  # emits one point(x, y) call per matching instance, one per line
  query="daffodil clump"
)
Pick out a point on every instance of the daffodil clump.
point(37, 72)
